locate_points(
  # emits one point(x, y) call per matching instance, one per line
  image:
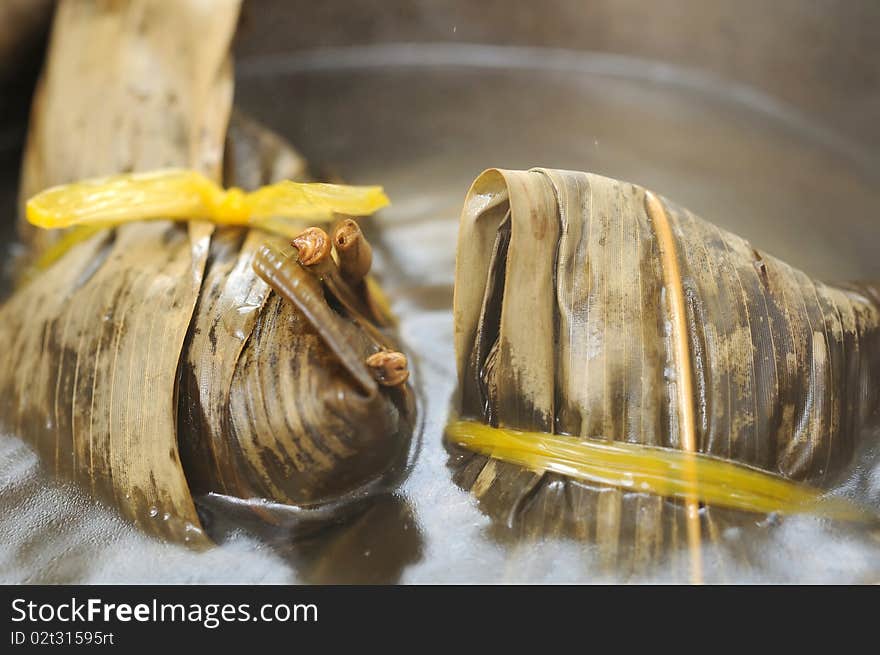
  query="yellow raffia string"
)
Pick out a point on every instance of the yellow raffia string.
point(650, 469)
point(280, 208)
point(284, 208)
point(67, 241)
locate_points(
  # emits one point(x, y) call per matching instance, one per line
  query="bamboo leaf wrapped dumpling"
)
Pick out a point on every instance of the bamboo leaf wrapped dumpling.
point(589, 307)
point(160, 361)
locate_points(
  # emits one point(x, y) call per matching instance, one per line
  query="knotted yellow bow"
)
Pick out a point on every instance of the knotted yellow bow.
point(187, 195)
point(283, 208)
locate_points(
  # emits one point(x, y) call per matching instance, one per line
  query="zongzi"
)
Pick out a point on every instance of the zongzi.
point(628, 371)
point(160, 361)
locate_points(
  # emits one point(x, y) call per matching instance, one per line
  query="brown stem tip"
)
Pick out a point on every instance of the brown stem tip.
point(353, 250)
point(313, 246)
point(388, 367)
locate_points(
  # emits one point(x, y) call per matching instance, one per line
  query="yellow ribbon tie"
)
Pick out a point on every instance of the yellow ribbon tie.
point(655, 470)
point(281, 208)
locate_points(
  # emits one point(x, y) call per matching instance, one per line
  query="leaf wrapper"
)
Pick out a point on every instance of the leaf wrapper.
point(91, 381)
point(562, 324)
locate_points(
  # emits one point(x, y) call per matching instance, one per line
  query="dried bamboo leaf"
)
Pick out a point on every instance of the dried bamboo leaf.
point(127, 87)
point(569, 329)
point(92, 380)
point(255, 156)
